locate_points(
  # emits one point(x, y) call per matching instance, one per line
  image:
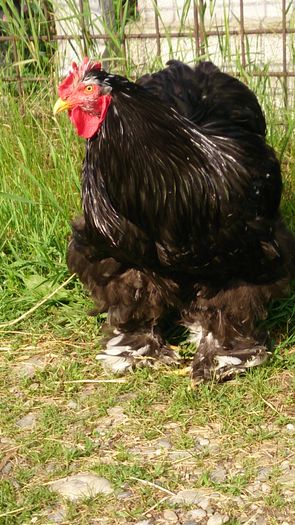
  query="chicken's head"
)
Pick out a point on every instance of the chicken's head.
point(84, 97)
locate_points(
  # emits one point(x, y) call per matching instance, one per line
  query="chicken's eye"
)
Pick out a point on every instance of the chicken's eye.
point(88, 89)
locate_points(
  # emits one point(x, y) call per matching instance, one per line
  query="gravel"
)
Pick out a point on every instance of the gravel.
point(73, 405)
point(204, 503)
point(124, 495)
point(202, 442)
point(170, 516)
point(263, 474)
point(117, 415)
point(288, 478)
point(29, 367)
point(265, 488)
point(57, 515)
point(6, 468)
point(217, 519)
point(27, 422)
point(164, 443)
point(196, 515)
point(218, 475)
point(83, 485)
point(188, 497)
point(261, 520)
point(210, 504)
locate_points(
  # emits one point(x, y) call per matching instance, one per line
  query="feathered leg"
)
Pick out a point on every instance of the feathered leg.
point(223, 325)
point(223, 322)
point(134, 338)
point(133, 302)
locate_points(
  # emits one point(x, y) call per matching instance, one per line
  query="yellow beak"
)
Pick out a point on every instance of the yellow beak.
point(60, 105)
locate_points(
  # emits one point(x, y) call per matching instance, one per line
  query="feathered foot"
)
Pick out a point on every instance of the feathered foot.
point(126, 351)
point(215, 362)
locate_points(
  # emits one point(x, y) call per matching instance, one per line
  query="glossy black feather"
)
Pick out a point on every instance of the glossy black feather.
point(169, 195)
point(207, 96)
point(181, 198)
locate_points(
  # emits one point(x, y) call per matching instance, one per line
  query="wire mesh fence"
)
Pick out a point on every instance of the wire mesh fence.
point(248, 38)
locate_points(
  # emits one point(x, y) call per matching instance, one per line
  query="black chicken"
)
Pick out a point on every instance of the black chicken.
point(181, 199)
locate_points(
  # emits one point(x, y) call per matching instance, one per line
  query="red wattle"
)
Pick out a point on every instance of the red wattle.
point(87, 125)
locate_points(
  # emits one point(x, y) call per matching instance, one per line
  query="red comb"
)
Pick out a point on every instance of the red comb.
point(76, 73)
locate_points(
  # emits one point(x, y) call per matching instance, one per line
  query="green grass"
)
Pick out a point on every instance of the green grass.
point(245, 420)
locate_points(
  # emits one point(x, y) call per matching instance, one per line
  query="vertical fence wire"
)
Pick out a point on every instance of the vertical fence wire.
point(83, 26)
point(50, 28)
point(197, 28)
point(109, 25)
point(17, 65)
point(202, 8)
point(242, 34)
point(123, 39)
point(284, 57)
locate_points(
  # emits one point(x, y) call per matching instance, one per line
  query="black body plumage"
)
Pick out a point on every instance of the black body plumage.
point(180, 187)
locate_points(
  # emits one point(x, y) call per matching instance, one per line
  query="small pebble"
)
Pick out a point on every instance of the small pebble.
point(218, 475)
point(260, 520)
point(27, 422)
point(117, 415)
point(204, 503)
point(288, 478)
point(124, 495)
point(243, 518)
point(72, 404)
point(285, 465)
point(82, 485)
point(203, 442)
point(34, 387)
point(188, 497)
point(170, 516)
point(196, 514)
point(265, 488)
point(28, 368)
point(6, 469)
point(14, 483)
point(263, 474)
point(238, 500)
point(86, 392)
point(50, 467)
point(290, 427)
point(57, 515)
point(179, 454)
point(217, 519)
point(254, 488)
point(164, 443)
